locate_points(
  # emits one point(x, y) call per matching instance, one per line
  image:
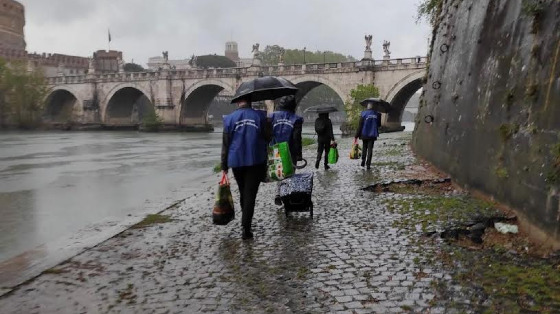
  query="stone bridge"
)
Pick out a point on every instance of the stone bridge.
point(181, 98)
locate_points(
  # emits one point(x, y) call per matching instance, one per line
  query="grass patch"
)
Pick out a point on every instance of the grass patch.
point(152, 219)
point(306, 141)
point(511, 285)
point(430, 212)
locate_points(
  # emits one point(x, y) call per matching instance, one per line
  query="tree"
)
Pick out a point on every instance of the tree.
point(271, 56)
point(214, 61)
point(133, 67)
point(22, 95)
point(353, 107)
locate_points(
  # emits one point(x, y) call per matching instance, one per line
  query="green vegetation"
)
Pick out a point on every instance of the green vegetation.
point(271, 56)
point(508, 285)
point(133, 67)
point(431, 211)
point(217, 167)
point(502, 172)
point(353, 107)
point(214, 61)
point(430, 10)
point(151, 122)
point(152, 219)
point(306, 141)
point(22, 95)
point(507, 130)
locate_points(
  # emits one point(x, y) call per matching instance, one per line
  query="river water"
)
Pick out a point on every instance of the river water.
point(55, 184)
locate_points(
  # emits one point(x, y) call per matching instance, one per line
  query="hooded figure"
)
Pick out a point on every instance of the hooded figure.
point(325, 135)
point(244, 149)
point(286, 127)
point(368, 131)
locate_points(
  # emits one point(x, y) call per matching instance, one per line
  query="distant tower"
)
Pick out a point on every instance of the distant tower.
point(12, 21)
point(231, 51)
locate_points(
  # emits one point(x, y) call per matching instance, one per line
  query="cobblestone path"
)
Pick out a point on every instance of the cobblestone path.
point(347, 259)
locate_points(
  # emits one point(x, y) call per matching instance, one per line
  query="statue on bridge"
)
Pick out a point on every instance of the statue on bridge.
point(255, 50)
point(386, 45)
point(165, 56)
point(368, 39)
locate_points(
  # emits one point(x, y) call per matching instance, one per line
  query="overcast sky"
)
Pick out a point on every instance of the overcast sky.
point(144, 28)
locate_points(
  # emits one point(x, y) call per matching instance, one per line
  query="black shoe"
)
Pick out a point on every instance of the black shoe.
point(327, 167)
point(317, 163)
point(368, 167)
point(247, 234)
point(278, 200)
point(363, 163)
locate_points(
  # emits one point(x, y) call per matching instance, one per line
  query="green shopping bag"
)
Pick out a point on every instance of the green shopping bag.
point(280, 164)
point(333, 155)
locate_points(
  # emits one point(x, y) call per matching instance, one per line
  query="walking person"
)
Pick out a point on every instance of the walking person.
point(325, 137)
point(368, 131)
point(287, 127)
point(244, 149)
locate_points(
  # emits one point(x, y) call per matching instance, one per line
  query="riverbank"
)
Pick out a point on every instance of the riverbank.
point(363, 251)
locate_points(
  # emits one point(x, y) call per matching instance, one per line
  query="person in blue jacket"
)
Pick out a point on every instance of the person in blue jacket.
point(244, 150)
point(368, 131)
point(287, 127)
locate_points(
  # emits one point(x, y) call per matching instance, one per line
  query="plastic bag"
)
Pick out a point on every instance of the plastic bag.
point(355, 151)
point(223, 211)
point(333, 155)
point(280, 164)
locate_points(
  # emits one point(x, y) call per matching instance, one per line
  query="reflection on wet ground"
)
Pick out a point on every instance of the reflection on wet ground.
point(54, 184)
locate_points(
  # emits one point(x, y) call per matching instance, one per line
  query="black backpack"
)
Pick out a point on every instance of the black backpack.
point(321, 126)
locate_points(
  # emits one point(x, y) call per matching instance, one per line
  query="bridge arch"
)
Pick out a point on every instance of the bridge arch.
point(196, 101)
point(126, 105)
point(61, 105)
point(307, 83)
point(399, 95)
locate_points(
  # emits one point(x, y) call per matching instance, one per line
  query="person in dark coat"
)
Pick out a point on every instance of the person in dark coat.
point(287, 127)
point(244, 149)
point(368, 131)
point(325, 137)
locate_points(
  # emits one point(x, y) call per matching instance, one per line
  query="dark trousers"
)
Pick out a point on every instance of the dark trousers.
point(367, 151)
point(323, 147)
point(248, 179)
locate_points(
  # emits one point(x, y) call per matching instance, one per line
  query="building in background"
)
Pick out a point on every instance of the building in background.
point(107, 61)
point(12, 21)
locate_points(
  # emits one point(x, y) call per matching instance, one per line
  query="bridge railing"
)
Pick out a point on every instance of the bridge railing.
point(278, 70)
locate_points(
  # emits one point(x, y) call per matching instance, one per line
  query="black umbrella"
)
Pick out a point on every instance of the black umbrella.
point(264, 88)
point(378, 104)
point(321, 109)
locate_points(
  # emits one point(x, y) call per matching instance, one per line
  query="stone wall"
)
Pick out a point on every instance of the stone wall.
point(493, 90)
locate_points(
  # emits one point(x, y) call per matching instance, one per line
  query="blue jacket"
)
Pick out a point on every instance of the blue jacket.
point(286, 127)
point(370, 121)
point(244, 139)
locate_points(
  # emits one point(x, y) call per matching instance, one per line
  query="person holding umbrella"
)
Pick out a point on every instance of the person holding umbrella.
point(368, 128)
point(245, 138)
point(287, 127)
point(325, 137)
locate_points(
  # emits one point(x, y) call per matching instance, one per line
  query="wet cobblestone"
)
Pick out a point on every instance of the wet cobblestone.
point(347, 259)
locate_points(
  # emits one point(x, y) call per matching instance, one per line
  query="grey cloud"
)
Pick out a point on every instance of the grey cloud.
point(143, 28)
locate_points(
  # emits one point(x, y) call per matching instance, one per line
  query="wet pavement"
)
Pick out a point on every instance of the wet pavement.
point(350, 258)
